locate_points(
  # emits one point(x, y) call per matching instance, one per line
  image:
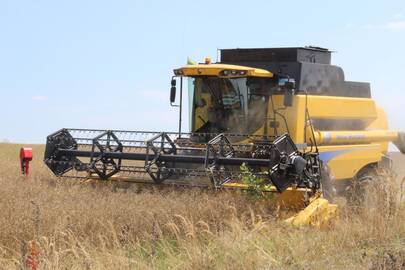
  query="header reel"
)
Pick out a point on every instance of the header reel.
point(82, 153)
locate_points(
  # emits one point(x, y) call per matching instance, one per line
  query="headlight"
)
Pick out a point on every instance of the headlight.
point(178, 72)
point(232, 73)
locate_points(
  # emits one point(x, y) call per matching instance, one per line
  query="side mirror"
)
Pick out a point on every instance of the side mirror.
point(173, 91)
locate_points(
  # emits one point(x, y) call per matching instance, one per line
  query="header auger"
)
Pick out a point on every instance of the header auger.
point(288, 114)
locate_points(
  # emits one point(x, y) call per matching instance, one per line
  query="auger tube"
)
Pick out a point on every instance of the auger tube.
point(356, 137)
point(400, 142)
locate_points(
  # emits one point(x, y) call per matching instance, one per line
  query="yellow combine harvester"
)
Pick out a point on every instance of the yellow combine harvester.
point(286, 113)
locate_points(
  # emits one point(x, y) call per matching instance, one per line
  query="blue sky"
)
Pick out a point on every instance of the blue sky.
point(107, 64)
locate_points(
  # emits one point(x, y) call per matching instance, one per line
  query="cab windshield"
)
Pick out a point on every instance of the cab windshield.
point(229, 105)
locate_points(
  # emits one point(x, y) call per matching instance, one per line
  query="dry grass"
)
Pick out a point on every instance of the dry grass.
point(83, 227)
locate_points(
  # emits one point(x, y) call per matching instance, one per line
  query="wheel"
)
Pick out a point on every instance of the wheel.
point(327, 183)
point(360, 184)
point(372, 185)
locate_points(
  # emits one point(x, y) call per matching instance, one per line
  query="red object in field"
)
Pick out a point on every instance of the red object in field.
point(25, 158)
point(32, 257)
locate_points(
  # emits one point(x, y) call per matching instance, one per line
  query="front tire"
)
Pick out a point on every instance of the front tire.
point(328, 183)
point(373, 185)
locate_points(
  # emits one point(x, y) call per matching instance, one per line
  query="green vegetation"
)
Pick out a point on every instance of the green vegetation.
point(255, 184)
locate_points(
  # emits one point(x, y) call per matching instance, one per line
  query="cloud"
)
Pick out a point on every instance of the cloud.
point(397, 25)
point(349, 25)
point(398, 16)
point(39, 98)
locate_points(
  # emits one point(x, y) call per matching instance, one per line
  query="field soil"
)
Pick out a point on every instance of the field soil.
point(52, 223)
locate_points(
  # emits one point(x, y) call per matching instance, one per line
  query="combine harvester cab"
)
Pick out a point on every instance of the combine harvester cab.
point(285, 113)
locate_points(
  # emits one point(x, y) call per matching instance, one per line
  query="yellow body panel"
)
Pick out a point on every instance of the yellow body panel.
point(295, 117)
point(321, 107)
point(327, 107)
point(345, 161)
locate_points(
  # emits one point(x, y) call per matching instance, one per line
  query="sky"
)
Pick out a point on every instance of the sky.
point(108, 64)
